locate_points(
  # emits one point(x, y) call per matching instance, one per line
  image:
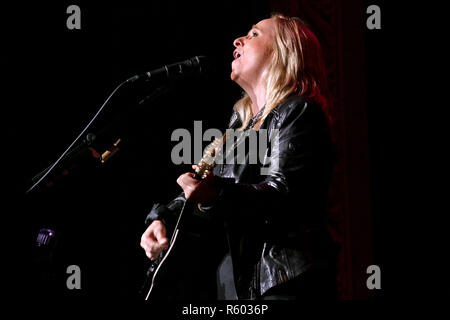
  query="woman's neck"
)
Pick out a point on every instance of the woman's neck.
point(258, 97)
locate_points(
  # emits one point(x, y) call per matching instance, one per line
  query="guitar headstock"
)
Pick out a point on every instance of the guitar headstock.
point(207, 162)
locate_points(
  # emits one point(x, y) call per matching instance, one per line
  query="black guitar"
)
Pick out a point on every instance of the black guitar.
point(168, 274)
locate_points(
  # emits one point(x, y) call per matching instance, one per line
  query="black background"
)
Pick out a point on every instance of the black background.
point(55, 80)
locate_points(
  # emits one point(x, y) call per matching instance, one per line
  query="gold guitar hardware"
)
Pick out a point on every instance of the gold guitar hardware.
point(109, 153)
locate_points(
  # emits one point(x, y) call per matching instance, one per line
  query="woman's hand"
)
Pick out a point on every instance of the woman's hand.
point(154, 240)
point(198, 191)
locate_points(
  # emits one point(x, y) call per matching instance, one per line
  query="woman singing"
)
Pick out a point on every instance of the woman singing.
point(273, 223)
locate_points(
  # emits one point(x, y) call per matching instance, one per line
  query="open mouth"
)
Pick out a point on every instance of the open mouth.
point(236, 55)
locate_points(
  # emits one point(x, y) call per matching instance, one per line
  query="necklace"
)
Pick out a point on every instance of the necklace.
point(255, 119)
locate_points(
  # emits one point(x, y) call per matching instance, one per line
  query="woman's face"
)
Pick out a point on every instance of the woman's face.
point(253, 54)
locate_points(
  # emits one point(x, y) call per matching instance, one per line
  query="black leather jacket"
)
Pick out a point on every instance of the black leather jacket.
point(275, 224)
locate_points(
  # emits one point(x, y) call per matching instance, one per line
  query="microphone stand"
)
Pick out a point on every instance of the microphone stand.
point(94, 150)
point(100, 146)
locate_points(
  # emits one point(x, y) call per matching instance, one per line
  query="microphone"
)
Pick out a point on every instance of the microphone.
point(192, 66)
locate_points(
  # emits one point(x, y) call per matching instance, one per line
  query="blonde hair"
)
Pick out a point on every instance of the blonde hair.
point(297, 68)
